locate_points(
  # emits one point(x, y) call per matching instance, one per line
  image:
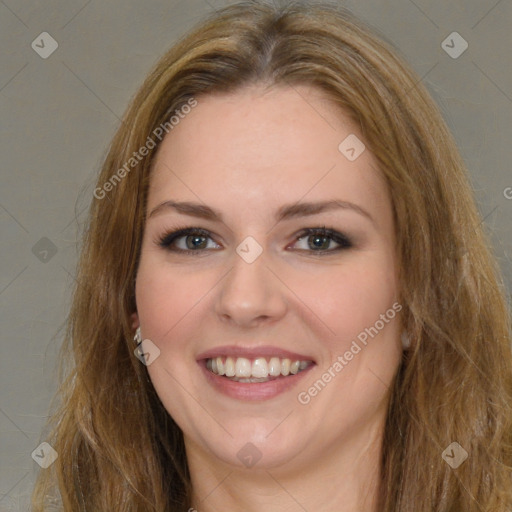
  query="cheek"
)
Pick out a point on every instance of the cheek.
point(167, 300)
point(350, 297)
point(165, 295)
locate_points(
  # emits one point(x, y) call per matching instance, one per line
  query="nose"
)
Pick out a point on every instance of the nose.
point(251, 294)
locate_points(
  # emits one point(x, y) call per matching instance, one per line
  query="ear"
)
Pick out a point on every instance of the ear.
point(134, 317)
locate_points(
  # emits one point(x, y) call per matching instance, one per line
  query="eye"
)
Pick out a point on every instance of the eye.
point(195, 240)
point(318, 240)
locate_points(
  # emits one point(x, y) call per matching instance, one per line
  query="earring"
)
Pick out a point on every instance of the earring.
point(406, 342)
point(138, 337)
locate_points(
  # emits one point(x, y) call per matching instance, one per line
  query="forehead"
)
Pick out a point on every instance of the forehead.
point(259, 147)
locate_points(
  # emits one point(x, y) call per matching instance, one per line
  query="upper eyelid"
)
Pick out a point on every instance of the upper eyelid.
point(179, 233)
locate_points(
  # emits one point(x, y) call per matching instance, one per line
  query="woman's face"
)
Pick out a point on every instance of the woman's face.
point(256, 293)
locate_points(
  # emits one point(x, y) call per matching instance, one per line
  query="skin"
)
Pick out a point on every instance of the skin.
point(246, 154)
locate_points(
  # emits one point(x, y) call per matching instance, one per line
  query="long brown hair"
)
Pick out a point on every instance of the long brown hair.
point(118, 447)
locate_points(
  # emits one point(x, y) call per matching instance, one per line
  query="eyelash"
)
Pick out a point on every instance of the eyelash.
point(167, 239)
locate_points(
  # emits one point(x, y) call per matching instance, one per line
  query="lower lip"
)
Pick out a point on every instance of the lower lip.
point(252, 390)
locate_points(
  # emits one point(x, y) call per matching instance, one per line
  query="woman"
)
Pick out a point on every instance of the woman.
point(291, 241)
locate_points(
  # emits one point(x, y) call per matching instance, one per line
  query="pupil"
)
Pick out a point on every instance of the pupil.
point(318, 238)
point(195, 238)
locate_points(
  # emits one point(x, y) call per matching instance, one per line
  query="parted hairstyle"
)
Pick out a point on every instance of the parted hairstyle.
point(118, 447)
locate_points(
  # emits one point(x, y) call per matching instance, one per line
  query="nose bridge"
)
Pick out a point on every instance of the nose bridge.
point(250, 291)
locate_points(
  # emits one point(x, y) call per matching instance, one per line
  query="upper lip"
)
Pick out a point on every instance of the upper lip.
point(252, 353)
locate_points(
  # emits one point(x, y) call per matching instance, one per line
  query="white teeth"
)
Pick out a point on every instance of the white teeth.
point(285, 367)
point(220, 366)
point(260, 368)
point(229, 367)
point(274, 367)
point(242, 369)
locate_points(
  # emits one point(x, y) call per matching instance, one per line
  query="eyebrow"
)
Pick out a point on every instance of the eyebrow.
point(285, 212)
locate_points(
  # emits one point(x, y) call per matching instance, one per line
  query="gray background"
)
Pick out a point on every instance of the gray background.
point(58, 115)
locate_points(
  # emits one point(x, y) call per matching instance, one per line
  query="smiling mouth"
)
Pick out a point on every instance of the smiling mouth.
point(260, 369)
